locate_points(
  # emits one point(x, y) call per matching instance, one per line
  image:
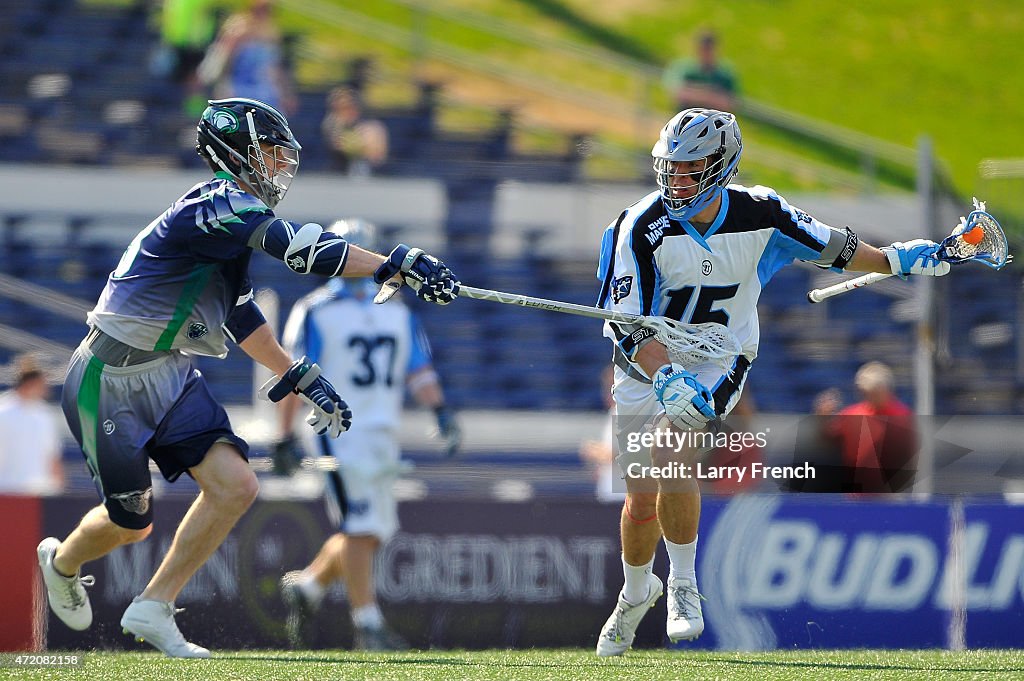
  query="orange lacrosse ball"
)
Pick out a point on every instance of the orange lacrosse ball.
point(973, 236)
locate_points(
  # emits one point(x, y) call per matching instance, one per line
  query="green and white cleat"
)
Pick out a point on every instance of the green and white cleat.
point(618, 632)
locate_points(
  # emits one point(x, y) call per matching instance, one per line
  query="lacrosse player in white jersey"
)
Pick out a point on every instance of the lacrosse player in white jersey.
point(698, 250)
point(372, 353)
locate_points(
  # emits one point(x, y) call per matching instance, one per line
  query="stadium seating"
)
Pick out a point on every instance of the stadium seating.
point(75, 88)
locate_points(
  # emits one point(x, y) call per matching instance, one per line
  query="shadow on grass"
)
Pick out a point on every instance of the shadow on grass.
point(392, 658)
point(415, 658)
point(634, 662)
point(858, 666)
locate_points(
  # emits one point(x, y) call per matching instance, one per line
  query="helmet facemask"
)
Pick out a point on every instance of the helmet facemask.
point(691, 136)
point(270, 173)
point(706, 181)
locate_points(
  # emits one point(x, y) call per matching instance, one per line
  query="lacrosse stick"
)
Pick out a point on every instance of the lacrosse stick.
point(690, 345)
point(978, 237)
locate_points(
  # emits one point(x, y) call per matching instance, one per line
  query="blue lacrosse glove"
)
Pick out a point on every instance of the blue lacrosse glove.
point(330, 416)
point(915, 257)
point(426, 275)
point(687, 402)
point(448, 429)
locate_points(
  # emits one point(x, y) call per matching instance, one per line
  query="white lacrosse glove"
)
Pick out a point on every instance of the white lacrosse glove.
point(687, 403)
point(330, 416)
point(915, 257)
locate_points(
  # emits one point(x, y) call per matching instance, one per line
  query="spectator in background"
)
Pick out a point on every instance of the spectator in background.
point(599, 454)
point(187, 28)
point(877, 437)
point(29, 443)
point(701, 82)
point(358, 146)
point(247, 59)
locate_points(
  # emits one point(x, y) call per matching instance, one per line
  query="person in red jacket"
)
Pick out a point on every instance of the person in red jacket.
point(877, 436)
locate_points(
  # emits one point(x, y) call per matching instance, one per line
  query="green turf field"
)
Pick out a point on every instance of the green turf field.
point(574, 665)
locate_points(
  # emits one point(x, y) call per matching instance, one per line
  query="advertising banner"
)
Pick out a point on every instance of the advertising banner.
point(777, 571)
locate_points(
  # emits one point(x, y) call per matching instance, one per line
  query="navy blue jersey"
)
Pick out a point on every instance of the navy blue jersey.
point(182, 276)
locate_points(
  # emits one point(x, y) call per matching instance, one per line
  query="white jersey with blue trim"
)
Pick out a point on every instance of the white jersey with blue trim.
point(653, 265)
point(366, 351)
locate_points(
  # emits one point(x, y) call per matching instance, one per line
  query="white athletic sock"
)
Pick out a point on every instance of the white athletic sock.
point(368, 616)
point(310, 588)
point(636, 588)
point(683, 559)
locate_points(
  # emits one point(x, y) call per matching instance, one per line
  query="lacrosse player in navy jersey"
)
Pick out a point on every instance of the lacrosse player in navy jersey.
point(372, 353)
point(699, 250)
point(132, 394)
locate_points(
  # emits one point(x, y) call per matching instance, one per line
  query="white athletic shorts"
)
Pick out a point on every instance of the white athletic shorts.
point(359, 495)
point(636, 407)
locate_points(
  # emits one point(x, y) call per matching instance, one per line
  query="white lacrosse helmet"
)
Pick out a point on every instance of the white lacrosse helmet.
point(358, 232)
point(691, 135)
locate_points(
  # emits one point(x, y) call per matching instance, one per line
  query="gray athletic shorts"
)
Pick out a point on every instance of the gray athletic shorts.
point(123, 416)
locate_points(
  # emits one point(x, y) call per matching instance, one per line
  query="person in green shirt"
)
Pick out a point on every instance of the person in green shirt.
point(702, 82)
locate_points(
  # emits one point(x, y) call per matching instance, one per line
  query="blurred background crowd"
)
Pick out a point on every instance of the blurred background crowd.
point(504, 135)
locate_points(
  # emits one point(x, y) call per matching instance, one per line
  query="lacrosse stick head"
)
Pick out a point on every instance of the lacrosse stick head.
point(693, 345)
point(978, 237)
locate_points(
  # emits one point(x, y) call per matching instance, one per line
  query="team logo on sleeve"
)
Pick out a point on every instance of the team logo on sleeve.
point(621, 287)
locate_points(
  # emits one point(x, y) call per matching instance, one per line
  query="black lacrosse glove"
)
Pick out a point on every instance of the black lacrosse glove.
point(330, 416)
point(426, 275)
point(448, 429)
point(286, 455)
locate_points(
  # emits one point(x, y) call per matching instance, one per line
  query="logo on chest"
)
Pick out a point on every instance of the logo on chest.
point(705, 268)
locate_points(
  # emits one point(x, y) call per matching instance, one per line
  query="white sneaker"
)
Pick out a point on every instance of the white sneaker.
point(66, 595)
point(152, 622)
point(685, 621)
point(618, 632)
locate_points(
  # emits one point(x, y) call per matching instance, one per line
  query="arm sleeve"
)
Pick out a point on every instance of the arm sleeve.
point(245, 317)
point(630, 283)
point(800, 236)
point(419, 352)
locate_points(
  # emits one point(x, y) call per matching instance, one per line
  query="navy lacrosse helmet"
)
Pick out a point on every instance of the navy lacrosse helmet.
point(692, 135)
point(251, 142)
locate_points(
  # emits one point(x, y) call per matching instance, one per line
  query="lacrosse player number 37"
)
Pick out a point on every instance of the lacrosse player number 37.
point(679, 299)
